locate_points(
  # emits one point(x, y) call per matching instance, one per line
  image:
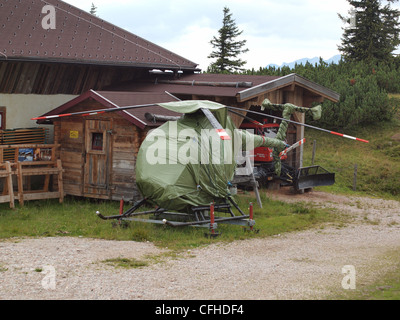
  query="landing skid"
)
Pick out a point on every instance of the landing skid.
point(200, 216)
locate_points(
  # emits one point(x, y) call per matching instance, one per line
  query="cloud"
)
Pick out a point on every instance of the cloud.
point(193, 43)
point(276, 31)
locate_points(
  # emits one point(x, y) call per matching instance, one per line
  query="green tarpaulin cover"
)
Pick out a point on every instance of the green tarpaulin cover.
point(185, 163)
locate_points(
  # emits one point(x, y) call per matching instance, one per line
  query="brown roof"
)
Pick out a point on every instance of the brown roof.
point(79, 37)
point(243, 87)
point(112, 100)
point(226, 85)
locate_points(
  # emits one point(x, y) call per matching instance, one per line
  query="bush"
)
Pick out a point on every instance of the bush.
point(363, 88)
point(362, 101)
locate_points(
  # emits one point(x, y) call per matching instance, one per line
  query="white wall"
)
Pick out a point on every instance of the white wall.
point(22, 107)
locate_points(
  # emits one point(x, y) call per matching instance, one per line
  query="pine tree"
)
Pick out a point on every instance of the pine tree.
point(227, 49)
point(93, 9)
point(373, 33)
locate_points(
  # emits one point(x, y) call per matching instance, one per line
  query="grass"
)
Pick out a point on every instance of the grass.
point(126, 263)
point(147, 260)
point(378, 162)
point(385, 288)
point(77, 218)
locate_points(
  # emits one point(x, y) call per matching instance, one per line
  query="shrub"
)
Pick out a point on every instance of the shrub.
point(363, 87)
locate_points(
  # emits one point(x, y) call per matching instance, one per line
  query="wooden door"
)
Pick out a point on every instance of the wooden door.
point(97, 159)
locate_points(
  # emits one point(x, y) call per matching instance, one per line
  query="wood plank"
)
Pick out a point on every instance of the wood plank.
point(10, 184)
point(20, 184)
point(8, 192)
point(72, 166)
point(120, 179)
point(34, 146)
point(6, 198)
point(129, 156)
point(40, 171)
point(60, 180)
point(68, 156)
point(73, 189)
point(123, 164)
point(265, 87)
point(41, 195)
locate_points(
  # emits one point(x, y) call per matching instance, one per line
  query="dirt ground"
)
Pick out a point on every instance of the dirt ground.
point(300, 265)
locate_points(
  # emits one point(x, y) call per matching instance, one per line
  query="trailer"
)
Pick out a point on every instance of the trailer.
point(301, 179)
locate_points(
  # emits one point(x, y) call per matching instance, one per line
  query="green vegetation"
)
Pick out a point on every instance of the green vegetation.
point(77, 218)
point(147, 260)
point(363, 88)
point(226, 47)
point(378, 162)
point(367, 72)
point(126, 263)
point(386, 288)
point(371, 31)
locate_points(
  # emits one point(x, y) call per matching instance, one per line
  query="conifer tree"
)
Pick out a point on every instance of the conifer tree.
point(227, 48)
point(93, 9)
point(373, 31)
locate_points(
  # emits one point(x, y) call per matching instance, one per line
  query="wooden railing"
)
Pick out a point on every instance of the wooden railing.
point(30, 160)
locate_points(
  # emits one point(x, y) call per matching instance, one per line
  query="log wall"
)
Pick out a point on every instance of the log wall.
point(126, 138)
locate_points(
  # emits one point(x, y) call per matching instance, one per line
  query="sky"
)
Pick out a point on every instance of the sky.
point(276, 31)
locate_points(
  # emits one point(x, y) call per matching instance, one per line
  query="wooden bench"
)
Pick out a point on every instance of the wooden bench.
point(31, 160)
point(49, 168)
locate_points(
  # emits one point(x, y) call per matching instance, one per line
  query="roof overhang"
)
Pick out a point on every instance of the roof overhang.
point(285, 81)
point(103, 99)
point(149, 66)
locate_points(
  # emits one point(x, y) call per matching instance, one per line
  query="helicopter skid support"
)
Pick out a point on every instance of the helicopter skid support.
point(199, 217)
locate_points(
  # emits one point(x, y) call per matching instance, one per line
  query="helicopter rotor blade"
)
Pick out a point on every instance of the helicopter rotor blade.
point(298, 123)
point(293, 146)
point(247, 118)
point(217, 126)
point(94, 112)
point(213, 121)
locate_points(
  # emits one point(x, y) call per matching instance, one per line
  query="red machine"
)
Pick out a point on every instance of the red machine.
point(269, 130)
point(264, 171)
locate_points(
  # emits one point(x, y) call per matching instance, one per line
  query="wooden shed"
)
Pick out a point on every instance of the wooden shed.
point(99, 152)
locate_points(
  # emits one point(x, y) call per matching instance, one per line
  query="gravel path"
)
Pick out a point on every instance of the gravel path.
point(300, 265)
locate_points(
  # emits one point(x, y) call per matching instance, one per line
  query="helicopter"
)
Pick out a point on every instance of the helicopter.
point(185, 167)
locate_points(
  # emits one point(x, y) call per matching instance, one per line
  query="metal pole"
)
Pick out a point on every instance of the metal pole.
point(313, 151)
point(300, 124)
point(251, 216)
point(121, 208)
point(212, 219)
point(94, 112)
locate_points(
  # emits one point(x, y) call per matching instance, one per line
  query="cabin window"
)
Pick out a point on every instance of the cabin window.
point(97, 141)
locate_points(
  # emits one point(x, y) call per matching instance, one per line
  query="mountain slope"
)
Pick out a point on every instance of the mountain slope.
point(315, 60)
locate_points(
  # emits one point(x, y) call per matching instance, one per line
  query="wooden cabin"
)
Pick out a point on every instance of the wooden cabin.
point(98, 152)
